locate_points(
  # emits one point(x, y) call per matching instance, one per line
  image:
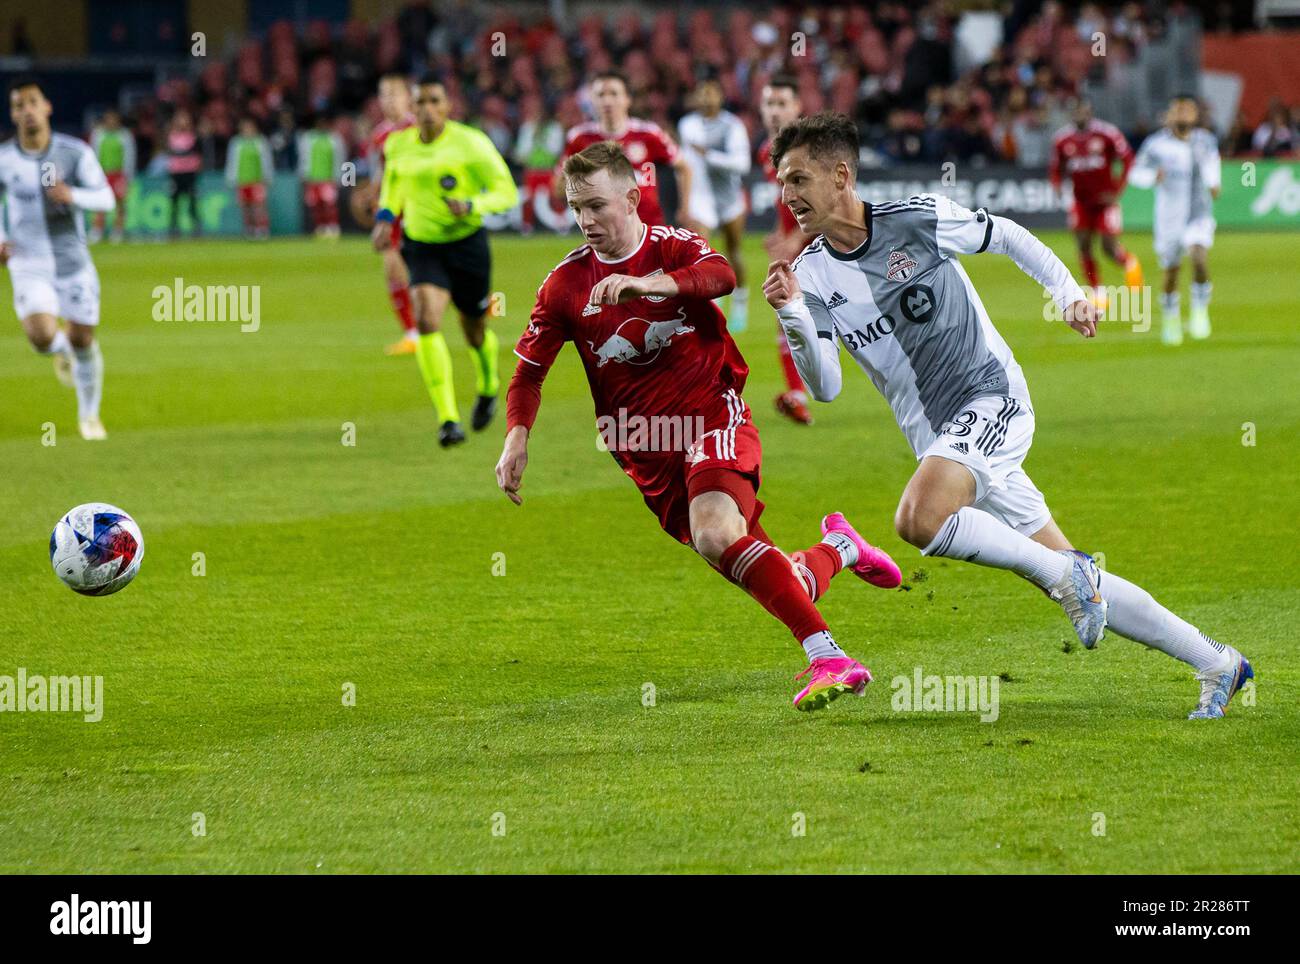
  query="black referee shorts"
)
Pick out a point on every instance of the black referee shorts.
point(462, 267)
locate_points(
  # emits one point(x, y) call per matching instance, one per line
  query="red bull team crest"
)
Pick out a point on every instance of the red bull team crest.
point(638, 341)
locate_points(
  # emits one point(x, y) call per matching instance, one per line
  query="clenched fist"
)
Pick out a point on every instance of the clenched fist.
point(781, 286)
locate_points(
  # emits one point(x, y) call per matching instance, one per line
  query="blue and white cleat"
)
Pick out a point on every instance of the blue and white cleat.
point(1217, 688)
point(1079, 593)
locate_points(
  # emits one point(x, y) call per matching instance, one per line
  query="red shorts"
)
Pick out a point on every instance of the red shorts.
point(1103, 219)
point(118, 182)
point(254, 193)
point(320, 192)
point(718, 451)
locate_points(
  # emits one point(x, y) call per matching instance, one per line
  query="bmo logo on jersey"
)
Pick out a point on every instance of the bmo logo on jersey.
point(638, 341)
point(917, 303)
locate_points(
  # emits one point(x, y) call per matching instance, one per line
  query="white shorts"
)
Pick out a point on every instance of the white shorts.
point(991, 437)
point(704, 208)
point(1172, 245)
point(74, 298)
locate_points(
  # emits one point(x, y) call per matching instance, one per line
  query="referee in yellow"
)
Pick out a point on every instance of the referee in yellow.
point(441, 177)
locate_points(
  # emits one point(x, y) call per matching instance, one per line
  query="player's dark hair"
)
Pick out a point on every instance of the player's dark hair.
point(24, 81)
point(786, 81)
point(602, 156)
point(828, 136)
point(614, 75)
point(431, 78)
point(1185, 95)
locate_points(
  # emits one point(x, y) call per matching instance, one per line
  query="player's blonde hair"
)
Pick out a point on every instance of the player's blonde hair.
point(604, 156)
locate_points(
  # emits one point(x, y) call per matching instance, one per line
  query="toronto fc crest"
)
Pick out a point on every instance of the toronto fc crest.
point(900, 266)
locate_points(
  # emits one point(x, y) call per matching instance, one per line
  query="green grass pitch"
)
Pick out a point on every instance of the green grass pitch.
point(499, 722)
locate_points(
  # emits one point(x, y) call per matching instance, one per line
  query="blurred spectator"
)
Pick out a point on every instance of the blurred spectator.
point(320, 163)
point(1277, 135)
point(248, 172)
point(537, 151)
point(184, 160)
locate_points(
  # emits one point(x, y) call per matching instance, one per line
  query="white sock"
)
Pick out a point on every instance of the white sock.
point(1132, 612)
point(740, 298)
point(844, 546)
point(821, 645)
point(88, 377)
point(973, 535)
point(1171, 304)
point(1201, 294)
point(59, 344)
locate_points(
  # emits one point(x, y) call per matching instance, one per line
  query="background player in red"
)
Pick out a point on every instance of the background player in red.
point(779, 105)
point(644, 143)
point(1095, 156)
point(395, 104)
point(636, 301)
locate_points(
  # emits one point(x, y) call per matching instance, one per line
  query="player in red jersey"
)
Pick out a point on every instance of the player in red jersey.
point(779, 105)
point(644, 143)
point(395, 104)
point(1089, 152)
point(666, 379)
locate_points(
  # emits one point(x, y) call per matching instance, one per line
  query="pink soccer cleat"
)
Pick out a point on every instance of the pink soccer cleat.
point(874, 565)
point(832, 677)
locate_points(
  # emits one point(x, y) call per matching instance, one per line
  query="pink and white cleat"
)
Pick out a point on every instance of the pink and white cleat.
point(874, 565)
point(832, 677)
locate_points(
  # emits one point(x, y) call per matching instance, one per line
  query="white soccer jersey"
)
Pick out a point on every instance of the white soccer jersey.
point(717, 193)
point(1190, 168)
point(49, 239)
point(908, 313)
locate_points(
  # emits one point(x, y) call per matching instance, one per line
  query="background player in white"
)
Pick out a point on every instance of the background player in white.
point(47, 180)
point(885, 279)
point(1182, 161)
point(716, 146)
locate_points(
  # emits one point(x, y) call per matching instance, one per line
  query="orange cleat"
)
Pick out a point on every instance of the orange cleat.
point(1133, 272)
point(403, 346)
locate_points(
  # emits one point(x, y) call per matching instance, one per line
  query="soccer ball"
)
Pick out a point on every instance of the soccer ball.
point(96, 549)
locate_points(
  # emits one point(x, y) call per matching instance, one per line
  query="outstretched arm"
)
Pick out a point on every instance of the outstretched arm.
point(537, 348)
point(960, 231)
point(523, 398)
point(809, 332)
point(1041, 263)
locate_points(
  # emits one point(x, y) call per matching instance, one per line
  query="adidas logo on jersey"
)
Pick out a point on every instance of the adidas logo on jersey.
point(837, 299)
point(590, 309)
point(961, 447)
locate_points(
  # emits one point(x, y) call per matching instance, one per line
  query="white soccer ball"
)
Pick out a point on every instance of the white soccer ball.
point(96, 549)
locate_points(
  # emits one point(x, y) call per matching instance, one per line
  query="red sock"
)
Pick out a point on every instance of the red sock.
point(1090, 269)
point(816, 567)
point(765, 574)
point(792, 380)
point(400, 296)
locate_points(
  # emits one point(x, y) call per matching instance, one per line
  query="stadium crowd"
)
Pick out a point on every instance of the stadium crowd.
point(521, 79)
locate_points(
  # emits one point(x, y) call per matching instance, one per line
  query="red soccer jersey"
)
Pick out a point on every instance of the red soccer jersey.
point(645, 357)
point(784, 217)
point(375, 145)
point(645, 145)
point(1088, 157)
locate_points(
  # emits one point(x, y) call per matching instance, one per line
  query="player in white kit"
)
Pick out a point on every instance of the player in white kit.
point(46, 181)
point(716, 146)
point(1181, 160)
point(885, 281)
